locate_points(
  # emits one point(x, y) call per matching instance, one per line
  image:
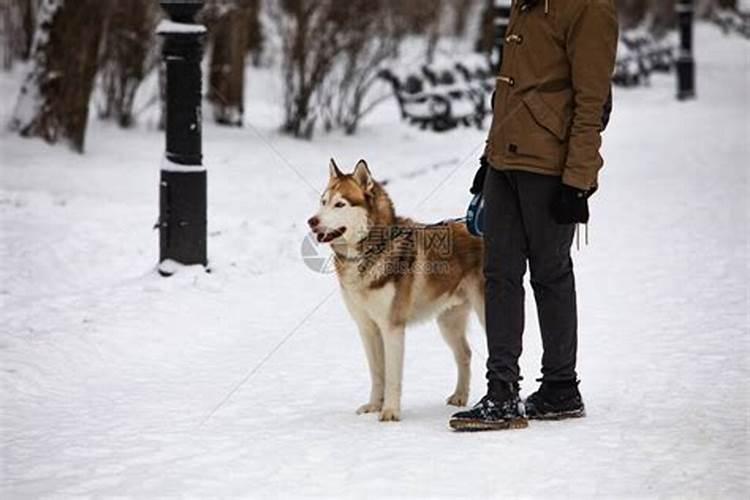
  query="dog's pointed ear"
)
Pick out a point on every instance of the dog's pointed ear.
point(334, 170)
point(363, 176)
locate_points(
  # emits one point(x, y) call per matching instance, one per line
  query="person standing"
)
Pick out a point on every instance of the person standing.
point(539, 168)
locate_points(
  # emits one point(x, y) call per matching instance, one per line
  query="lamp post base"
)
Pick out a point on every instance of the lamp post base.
point(182, 221)
point(685, 79)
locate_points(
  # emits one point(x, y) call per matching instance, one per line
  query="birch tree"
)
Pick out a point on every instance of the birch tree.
point(54, 99)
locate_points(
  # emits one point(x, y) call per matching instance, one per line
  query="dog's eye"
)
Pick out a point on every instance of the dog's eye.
point(322, 201)
point(340, 204)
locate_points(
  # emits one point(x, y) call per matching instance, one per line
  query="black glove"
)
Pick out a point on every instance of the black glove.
point(571, 206)
point(478, 184)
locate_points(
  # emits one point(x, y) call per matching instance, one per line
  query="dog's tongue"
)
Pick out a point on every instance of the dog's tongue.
point(330, 236)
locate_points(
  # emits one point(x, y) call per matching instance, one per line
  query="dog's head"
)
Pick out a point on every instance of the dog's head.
point(344, 213)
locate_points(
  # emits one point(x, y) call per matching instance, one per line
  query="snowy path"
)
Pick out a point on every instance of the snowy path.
point(108, 372)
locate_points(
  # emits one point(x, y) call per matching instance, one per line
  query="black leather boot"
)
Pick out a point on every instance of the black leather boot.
point(555, 400)
point(500, 409)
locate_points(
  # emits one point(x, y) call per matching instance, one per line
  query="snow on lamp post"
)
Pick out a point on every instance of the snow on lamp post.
point(182, 192)
point(500, 20)
point(685, 61)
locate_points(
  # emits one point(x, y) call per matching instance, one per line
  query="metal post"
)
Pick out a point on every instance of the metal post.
point(182, 217)
point(685, 61)
point(501, 18)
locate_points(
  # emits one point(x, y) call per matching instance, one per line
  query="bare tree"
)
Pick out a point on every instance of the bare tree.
point(331, 53)
point(255, 40)
point(54, 98)
point(311, 40)
point(486, 38)
point(460, 11)
point(374, 36)
point(433, 29)
point(7, 15)
point(17, 19)
point(631, 12)
point(424, 17)
point(129, 55)
point(230, 39)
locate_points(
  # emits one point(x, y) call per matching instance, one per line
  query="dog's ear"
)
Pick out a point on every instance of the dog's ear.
point(363, 176)
point(334, 170)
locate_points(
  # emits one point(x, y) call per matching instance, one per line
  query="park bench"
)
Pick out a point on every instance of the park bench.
point(732, 21)
point(450, 94)
point(638, 55)
point(443, 96)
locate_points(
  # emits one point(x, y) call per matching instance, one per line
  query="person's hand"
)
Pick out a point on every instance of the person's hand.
point(478, 184)
point(571, 206)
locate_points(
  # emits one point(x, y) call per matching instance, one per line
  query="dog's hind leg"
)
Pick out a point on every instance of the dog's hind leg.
point(373, 344)
point(452, 323)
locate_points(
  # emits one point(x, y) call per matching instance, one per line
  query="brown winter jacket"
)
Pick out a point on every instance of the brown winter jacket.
point(557, 65)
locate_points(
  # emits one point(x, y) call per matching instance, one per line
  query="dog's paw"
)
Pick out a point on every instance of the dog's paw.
point(369, 408)
point(457, 399)
point(390, 415)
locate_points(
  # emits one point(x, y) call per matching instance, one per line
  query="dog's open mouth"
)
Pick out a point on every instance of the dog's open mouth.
point(330, 235)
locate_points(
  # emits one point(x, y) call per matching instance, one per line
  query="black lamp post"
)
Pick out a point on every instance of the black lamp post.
point(501, 19)
point(685, 61)
point(182, 193)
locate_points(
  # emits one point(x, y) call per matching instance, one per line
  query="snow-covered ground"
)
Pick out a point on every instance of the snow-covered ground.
point(117, 382)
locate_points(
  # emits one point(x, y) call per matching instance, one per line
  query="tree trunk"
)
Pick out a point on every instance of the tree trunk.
point(6, 33)
point(255, 36)
point(486, 40)
point(16, 30)
point(127, 50)
point(54, 99)
point(29, 8)
point(461, 9)
point(665, 15)
point(227, 72)
point(631, 12)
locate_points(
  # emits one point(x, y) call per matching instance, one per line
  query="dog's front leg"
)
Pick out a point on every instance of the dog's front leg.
point(373, 344)
point(393, 343)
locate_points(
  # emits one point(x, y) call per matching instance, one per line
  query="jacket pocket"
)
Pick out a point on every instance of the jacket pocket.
point(545, 116)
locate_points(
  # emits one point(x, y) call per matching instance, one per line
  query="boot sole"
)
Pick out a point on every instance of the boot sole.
point(466, 425)
point(562, 415)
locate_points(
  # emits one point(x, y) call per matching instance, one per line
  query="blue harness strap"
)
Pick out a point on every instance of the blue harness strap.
point(475, 215)
point(474, 219)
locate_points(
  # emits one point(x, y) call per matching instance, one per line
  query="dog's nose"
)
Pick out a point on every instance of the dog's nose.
point(313, 222)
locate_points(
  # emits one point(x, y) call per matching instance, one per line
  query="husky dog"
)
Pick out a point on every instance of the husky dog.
point(393, 272)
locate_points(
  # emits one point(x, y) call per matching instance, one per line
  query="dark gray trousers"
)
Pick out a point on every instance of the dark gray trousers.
point(518, 228)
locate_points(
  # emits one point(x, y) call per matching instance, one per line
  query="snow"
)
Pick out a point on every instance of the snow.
point(243, 382)
point(169, 27)
point(168, 165)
